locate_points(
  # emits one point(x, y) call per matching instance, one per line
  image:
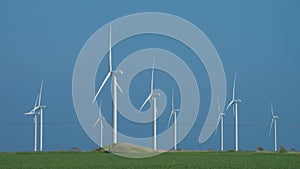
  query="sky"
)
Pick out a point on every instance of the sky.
point(42, 40)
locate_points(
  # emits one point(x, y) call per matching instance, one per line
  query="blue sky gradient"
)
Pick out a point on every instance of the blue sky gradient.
point(42, 40)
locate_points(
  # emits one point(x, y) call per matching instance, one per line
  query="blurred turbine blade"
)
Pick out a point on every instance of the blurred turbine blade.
point(172, 99)
point(105, 80)
point(272, 111)
point(119, 87)
point(40, 94)
point(233, 91)
point(110, 62)
point(100, 106)
point(171, 113)
point(219, 110)
point(229, 104)
point(271, 126)
point(152, 78)
point(148, 98)
point(36, 102)
point(96, 122)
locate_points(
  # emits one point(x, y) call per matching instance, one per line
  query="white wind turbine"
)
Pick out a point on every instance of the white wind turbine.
point(174, 112)
point(113, 74)
point(99, 120)
point(38, 107)
point(152, 95)
point(221, 119)
point(34, 114)
point(40, 112)
point(234, 103)
point(274, 121)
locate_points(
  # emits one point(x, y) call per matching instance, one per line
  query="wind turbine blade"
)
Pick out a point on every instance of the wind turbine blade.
point(218, 122)
point(36, 102)
point(172, 99)
point(100, 114)
point(148, 98)
point(29, 113)
point(219, 110)
point(96, 122)
point(110, 58)
point(40, 94)
point(105, 80)
point(171, 113)
point(216, 131)
point(119, 87)
point(233, 91)
point(271, 127)
point(152, 78)
point(229, 104)
point(272, 111)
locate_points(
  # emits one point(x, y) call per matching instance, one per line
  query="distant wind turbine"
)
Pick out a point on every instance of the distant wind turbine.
point(39, 108)
point(234, 103)
point(113, 74)
point(274, 121)
point(99, 120)
point(174, 112)
point(221, 119)
point(152, 95)
point(40, 112)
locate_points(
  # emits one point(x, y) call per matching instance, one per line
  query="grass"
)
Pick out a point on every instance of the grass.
point(74, 160)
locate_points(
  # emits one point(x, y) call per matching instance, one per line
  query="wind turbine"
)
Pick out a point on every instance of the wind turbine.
point(152, 95)
point(174, 112)
point(34, 114)
point(38, 107)
point(221, 118)
point(274, 121)
point(113, 74)
point(234, 103)
point(40, 112)
point(99, 120)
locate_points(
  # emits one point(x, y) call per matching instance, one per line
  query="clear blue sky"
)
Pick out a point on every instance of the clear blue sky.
point(41, 40)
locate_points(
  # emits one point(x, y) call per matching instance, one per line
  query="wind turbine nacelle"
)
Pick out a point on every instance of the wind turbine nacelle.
point(44, 106)
point(156, 94)
point(238, 101)
point(117, 72)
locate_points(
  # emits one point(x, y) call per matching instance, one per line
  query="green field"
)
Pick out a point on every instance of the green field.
point(197, 160)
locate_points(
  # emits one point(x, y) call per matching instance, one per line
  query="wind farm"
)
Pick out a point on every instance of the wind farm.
point(160, 84)
point(151, 98)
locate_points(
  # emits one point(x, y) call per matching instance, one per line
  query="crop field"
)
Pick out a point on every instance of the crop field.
point(197, 160)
